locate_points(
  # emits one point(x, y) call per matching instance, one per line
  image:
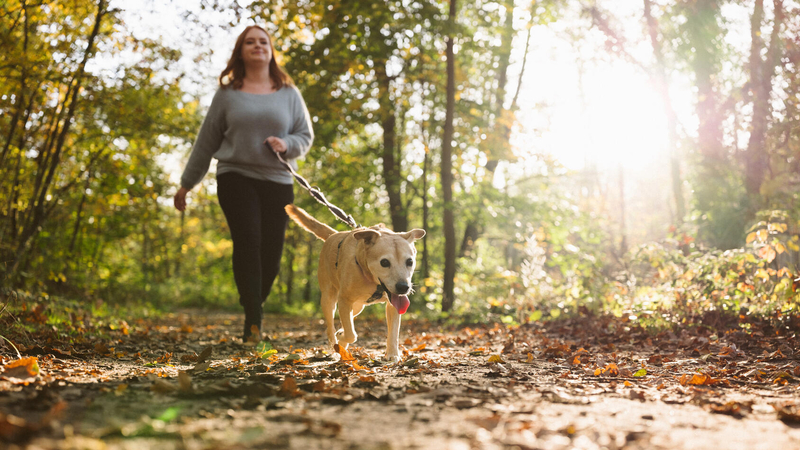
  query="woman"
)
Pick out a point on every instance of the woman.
point(256, 103)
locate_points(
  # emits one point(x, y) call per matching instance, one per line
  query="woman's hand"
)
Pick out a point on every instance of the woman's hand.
point(180, 199)
point(277, 144)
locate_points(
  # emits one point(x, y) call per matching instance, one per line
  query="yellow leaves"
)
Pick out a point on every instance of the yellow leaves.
point(496, 359)
point(762, 274)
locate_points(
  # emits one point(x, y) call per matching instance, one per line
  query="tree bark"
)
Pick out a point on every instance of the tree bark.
point(662, 85)
point(391, 166)
point(762, 71)
point(448, 295)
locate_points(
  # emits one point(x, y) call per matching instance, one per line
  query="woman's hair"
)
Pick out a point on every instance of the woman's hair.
point(234, 71)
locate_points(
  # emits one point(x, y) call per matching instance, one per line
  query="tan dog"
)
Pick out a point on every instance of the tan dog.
point(359, 268)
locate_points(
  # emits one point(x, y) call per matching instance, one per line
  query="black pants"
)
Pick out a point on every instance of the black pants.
point(257, 220)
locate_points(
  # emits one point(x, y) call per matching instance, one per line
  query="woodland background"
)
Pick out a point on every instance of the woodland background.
point(415, 107)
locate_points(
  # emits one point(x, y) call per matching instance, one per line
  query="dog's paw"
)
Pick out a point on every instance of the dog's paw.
point(393, 358)
point(348, 339)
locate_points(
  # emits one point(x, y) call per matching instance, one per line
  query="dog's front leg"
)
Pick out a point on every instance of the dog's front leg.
point(346, 316)
point(328, 304)
point(392, 333)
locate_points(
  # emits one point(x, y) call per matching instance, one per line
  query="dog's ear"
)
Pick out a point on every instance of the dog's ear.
point(368, 235)
point(413, 235)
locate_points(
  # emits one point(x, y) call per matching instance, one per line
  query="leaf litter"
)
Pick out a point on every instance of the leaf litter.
point(546, 385)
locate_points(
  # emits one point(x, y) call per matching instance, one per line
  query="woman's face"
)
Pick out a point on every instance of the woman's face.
point(256, 48)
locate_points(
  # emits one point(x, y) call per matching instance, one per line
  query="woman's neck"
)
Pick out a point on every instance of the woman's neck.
point(257, 80)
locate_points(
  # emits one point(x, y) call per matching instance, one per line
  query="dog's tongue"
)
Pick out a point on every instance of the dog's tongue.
point(400, 302)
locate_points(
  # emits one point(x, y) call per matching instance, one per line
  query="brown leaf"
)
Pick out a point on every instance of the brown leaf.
point(184, 381)
point(162, 386)
point(735, 409)
point(788, 412)
point(201, 367)
point(102, 349)
point(205, 354)
point(289, 388)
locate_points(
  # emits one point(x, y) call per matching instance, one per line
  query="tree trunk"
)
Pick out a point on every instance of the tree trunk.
point(20, 100)
point(391, 166)
point(702, 27)
point(761, 75)
point(448, 295)
point(426, 164)
point(662, 85)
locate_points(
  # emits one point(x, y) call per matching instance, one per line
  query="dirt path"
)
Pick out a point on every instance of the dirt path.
point(587, 384)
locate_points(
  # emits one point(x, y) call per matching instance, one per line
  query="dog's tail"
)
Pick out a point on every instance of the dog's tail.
point(309, 223)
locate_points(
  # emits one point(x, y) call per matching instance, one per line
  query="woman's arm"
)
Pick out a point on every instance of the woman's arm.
point(299, 139)
point(207, 143)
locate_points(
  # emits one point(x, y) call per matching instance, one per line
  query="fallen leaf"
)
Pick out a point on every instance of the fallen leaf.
point(201, 367)
point(735, 409)
point(102, 349)
point(496, 359)
point(346, 356)
point(205, 354)
point(788, 412)
point(289, 388)
point(411, 362)
point(700, 379)
point(418, 348)
point(184, 381)
point(162, 386)
point(21, 371)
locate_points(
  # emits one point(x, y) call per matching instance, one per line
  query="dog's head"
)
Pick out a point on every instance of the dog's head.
point(391, 258)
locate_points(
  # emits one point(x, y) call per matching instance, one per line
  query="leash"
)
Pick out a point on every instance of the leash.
point(319, 196)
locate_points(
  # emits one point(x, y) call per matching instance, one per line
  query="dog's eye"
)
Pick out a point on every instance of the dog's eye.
point(409, 262)
point(385, 263)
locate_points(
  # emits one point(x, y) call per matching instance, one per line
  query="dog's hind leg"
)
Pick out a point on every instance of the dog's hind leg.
point(392, 333)
point(328, 304)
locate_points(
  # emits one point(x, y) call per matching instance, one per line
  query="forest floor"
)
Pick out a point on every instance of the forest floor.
point(185, 381)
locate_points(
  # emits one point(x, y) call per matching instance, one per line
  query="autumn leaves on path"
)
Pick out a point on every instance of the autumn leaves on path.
point(185, 382)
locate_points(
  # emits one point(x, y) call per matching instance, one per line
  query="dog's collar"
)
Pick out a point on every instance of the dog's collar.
point(378, 294)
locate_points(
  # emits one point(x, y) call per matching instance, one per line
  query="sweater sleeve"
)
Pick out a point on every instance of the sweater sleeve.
point(207, 143)
point(299, 139)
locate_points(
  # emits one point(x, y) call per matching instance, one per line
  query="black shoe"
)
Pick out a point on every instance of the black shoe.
point(251, 333)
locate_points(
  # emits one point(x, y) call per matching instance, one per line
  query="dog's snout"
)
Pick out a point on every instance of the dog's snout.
point(401, 288)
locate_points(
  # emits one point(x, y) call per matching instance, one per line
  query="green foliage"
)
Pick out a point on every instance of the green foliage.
point(87, 149)
point(673, 281)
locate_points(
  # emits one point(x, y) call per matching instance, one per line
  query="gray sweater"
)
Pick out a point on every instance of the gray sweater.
point(234, 131)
